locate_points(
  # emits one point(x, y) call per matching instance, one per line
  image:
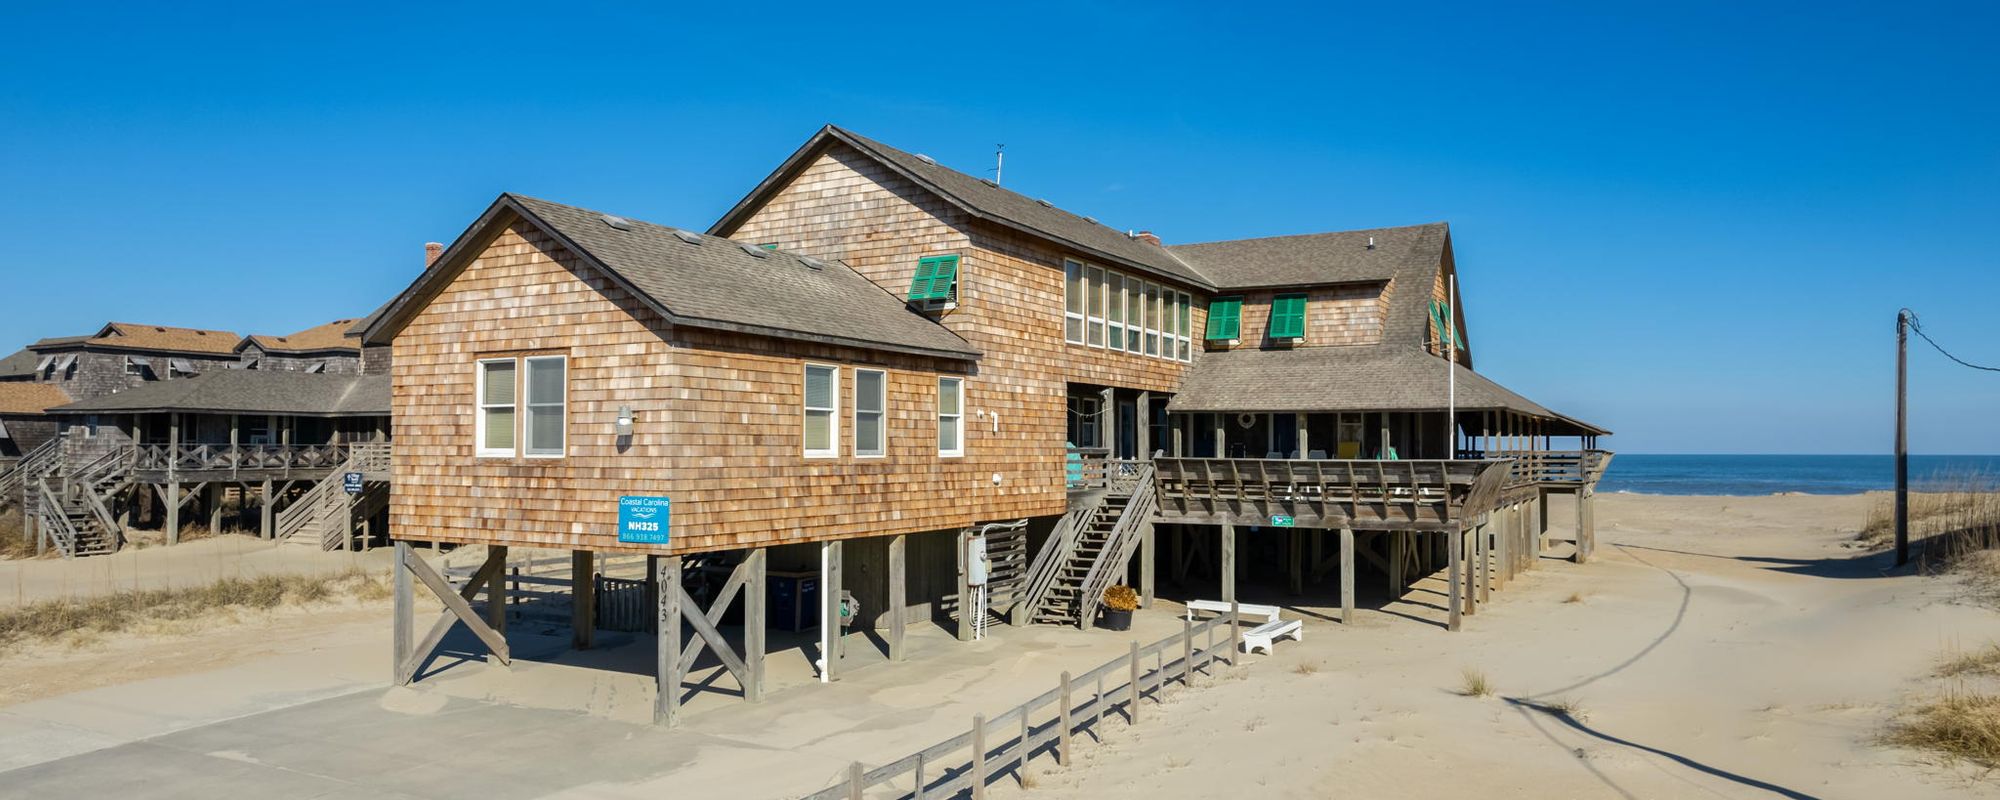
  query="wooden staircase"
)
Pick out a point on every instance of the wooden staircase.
point(76, 523)
point(17, 482)
point(1090, 547)
point(326, 515)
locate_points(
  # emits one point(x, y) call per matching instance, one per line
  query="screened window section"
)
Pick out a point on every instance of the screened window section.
point(822, 410)
point(496, 407)
point(870, 395)
point(1108, 309)
point(951, 416)
point(1114, 315)
point(1072, 302)
point(545, 398)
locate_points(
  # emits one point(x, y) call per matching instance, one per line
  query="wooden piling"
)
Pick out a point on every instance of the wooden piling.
point(583, 598)
point(1454, 542)
point(1346, 576)
point(1062, 723)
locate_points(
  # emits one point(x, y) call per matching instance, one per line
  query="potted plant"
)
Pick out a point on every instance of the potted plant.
point(1119, 603)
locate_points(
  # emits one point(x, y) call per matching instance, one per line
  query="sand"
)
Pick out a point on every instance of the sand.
point(1722, 647)
point(1718, 647)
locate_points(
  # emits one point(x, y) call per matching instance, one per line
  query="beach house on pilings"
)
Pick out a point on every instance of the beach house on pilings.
point(874, 369)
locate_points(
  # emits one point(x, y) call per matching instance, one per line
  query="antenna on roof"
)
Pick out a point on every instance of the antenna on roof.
point(999, 161)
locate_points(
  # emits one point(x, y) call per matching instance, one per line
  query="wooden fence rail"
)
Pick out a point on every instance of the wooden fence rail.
point(967, 761)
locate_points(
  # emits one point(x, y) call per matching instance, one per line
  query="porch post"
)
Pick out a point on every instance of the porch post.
point(264, 510)
point(1228, 563)
point(1455, 545)
point(898, 597)
point(1397, 554)
point(173, 482)
point(756, 623)
point(1143, 426)
point(583, 597)
point(829, 595)
point(1346, 576)
point(1305, 447)
point(667, 635)
point(1107, 420)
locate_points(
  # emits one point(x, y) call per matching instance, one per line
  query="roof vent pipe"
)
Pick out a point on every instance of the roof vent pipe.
point(1371, 242)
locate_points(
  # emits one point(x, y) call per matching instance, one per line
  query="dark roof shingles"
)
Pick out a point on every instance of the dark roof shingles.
point(246, 391)
point(720, 281)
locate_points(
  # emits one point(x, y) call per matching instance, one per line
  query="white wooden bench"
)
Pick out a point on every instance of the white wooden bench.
point(1260, 637)
point(1218, 607)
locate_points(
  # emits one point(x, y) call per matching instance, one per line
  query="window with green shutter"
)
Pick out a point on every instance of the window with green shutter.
point(1225, 318)
point(937, 279)
point(1288, 316)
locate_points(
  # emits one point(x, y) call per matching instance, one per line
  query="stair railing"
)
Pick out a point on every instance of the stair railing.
point(55, 522)
point(18, 483)
point(1049, 560)
point(1118, 549)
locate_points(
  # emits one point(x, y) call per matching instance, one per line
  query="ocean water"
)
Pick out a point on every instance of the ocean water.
point(1771, 474)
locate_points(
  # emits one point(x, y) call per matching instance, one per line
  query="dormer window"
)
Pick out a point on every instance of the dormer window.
point(1288, 317)
point(936, 284)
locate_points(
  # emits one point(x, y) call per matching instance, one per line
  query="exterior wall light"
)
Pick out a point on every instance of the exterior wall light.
point(624, 420)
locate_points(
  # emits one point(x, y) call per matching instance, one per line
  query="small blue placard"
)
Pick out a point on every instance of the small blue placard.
point(1281, 521)
point(643, 520)
point(351, 482)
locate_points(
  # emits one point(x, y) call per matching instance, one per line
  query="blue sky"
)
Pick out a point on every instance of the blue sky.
point(1693, 224)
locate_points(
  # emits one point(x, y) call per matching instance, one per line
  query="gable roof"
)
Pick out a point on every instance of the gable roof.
point(163, 337)
point(23, 397)
point(319, 338)
point(249, 391)
point(701, 282)
point(1408, 257)
point(981, 199)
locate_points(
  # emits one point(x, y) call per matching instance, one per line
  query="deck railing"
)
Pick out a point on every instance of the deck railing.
point(1320, 493)
point(243, 457)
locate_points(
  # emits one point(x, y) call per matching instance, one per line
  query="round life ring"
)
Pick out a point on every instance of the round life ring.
point(1246, 420)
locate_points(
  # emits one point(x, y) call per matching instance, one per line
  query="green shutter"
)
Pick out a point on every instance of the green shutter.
point(1225, 315)
point(936, 278)
point(1288, 316)
point(1446, 325)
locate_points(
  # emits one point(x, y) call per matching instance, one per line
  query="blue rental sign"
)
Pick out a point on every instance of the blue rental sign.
point(643, 520)
point(351, 482)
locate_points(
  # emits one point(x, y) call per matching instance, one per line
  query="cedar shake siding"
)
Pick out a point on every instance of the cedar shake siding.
point(718, 422)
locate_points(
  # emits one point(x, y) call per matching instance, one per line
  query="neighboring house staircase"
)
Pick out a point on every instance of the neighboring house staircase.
point(17, 482)
point(326, 515)
point(1089, 550)
point(73, 504)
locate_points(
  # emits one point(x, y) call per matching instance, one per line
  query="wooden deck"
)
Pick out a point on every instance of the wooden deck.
point(155, 463)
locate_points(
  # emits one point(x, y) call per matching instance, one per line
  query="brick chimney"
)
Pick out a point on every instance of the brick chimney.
point(431, 252)
point(1148, 238)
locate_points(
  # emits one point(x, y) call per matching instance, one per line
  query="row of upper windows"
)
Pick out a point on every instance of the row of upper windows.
point(1109, 309)
point(522, 410)
point(821, 423)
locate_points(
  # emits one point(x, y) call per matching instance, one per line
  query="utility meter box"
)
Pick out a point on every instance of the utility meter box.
point(977, 568)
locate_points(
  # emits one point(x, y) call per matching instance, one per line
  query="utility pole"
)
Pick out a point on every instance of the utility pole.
point(1902, 438)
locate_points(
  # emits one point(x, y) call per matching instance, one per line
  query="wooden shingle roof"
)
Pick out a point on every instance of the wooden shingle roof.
point(319, 338)
point(164, 337)
point(25, 397)
point(245, 391)
point(703, 282)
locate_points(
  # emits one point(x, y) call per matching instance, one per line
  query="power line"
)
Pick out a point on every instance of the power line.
point(1912, 316)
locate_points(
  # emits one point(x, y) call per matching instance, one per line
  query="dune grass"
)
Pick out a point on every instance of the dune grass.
point(1984, 661)
point(1951, 515)
point(127, 610)
point(1474, 684)
point(1959, 725)
point(13, 539)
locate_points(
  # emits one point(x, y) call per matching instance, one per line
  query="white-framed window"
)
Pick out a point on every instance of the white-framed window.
point(1153, 323)
point(547, 396)
point(822, 406)
point(494, 434)
point(1114, 312)
point(1135, 315)
point(1072, 302)
point(1095, 275)
point(1183, 329)
point(871, 395)
point(951, 416)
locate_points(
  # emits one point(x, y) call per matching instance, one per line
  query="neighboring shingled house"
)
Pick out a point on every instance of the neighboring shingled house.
point(330, 348)
point(24, 420)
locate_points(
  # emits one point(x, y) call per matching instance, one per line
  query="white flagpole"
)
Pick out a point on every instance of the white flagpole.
point(1450, 333)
